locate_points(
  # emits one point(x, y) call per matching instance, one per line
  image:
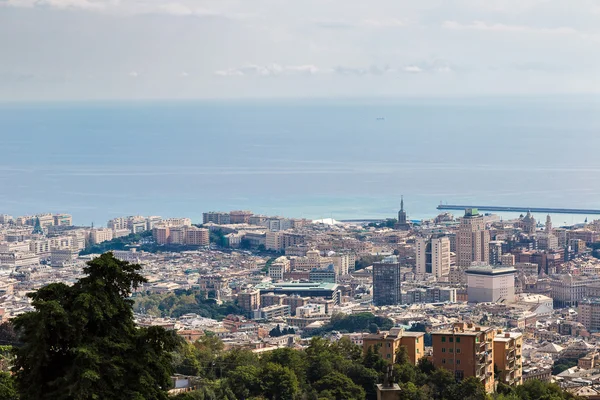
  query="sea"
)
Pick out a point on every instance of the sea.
point(304, 158)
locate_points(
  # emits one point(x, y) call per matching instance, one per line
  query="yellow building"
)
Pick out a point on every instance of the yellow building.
point(508, 357)
point(388, 344)
point(466, 350)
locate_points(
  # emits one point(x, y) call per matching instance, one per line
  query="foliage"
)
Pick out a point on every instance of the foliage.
point(81, 341)
point(7, 334)
point(362, 322)
point(367, 261)
point(180, 302)
point(218, 238)
point(277, 331)
point(562, 364)
point(388, 223)
point(120, 243)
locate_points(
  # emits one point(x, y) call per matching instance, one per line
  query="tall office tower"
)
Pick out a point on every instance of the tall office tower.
point(386, 282)
point(548, 224)
point(472, 239)
point(433, 256)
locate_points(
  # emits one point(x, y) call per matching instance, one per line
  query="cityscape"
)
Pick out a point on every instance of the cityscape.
point(503, 301)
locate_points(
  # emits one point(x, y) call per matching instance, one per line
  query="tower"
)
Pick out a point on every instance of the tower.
point(403, 223)
point(548, 224)
point(472, 239)
point(386, 282)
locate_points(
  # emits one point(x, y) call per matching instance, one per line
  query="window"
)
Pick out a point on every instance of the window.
point(443, 361)
point(443, 349)
point(443, 339)
point(451, 350)
point(389, 345)
point(477, 339)
point(458, 339)
point(457, 362)
point(451, 339)
point(458, 350)
point(389, 356)
point(417, 340)
point(418, 351)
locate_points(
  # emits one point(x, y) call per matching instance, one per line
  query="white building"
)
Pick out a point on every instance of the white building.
point(279, 267)
point(433, 256)
point(487, 284)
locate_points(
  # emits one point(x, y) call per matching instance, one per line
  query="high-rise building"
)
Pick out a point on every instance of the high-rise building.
point(386, 282)
point(433, 256)
point(472, 239)
point(240, 217)
point(249, 301)
point(488, 284)
point(467, 351)
point(588, 313)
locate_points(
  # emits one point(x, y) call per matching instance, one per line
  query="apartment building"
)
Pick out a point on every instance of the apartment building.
point(466, 350)
point(588, 313)
point(278, 268)
point(389, 342)
point(219, 218)
point(249, 301)
point(386, 282)
point(508, 357)
point(99, 235)
point(472, 239)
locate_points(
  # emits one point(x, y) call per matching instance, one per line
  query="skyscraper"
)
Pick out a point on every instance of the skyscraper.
point(433, 256)
point(386, 282)
point(472, 240)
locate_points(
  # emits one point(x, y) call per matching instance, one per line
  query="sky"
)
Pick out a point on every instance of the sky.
point(182, 49)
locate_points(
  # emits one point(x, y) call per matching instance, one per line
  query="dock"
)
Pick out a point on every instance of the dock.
point(544, 210)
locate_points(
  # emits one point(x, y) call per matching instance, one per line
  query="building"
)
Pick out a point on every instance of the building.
point(388, 344)
point(278, 268)
point(386, 282)
point(62, 220)
point(508, 357)
point(403, 224)
point(466, 350)
point(100, 235)
point(567, 290)
point(197, 236)
point(328, 291)
point(240, 217)
point(433, 256)
point(526, 223)
point(249, 301)
point(219, 218)
point(588, 313)
point(272, 312)
point(327, 274)
point(274, 241)
point(491, 284)
point(59, 257)
point(472, 239)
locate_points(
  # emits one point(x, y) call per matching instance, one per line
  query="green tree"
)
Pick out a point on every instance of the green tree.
point(470, 388)
point(7, 387)
point(279, 383)
point(245, 381)
point(337, 386)
point(81, 341)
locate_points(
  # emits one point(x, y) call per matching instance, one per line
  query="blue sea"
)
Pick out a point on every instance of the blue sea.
point(344, 159)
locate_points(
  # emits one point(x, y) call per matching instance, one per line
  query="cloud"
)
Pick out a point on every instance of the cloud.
point(496, 27)
point(354, 24)
point(270, 70)
point(133, 74)
point(412, 69)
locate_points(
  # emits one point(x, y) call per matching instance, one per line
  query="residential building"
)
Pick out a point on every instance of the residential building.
point(386, 282)
point(467, 351)
point(328, 291)
point(197, 236)
point(249, 301)
point(388, 343)
point(327, 274)
point(272, 312)
point(588, 313)
point(274, 241)
point(99, 235)
point(490, 284)
point(508, 357)
point(433, 256)
point(567, 290)
point(240, 217)
point(278, 268)
point(219, 218)
point(62, 219)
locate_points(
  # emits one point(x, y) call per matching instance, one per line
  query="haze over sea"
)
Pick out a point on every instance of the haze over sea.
point(298, 158)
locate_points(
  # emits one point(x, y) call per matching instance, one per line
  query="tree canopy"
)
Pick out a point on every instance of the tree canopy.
point(81, 341)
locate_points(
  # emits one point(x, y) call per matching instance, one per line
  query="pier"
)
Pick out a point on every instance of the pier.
point(544, 210)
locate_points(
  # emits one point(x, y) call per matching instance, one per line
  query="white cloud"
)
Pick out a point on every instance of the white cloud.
point(412, 69)
point(184, 74)
point(383, 22)
point(484, 26)
point(270, 70)
point(133, 74)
